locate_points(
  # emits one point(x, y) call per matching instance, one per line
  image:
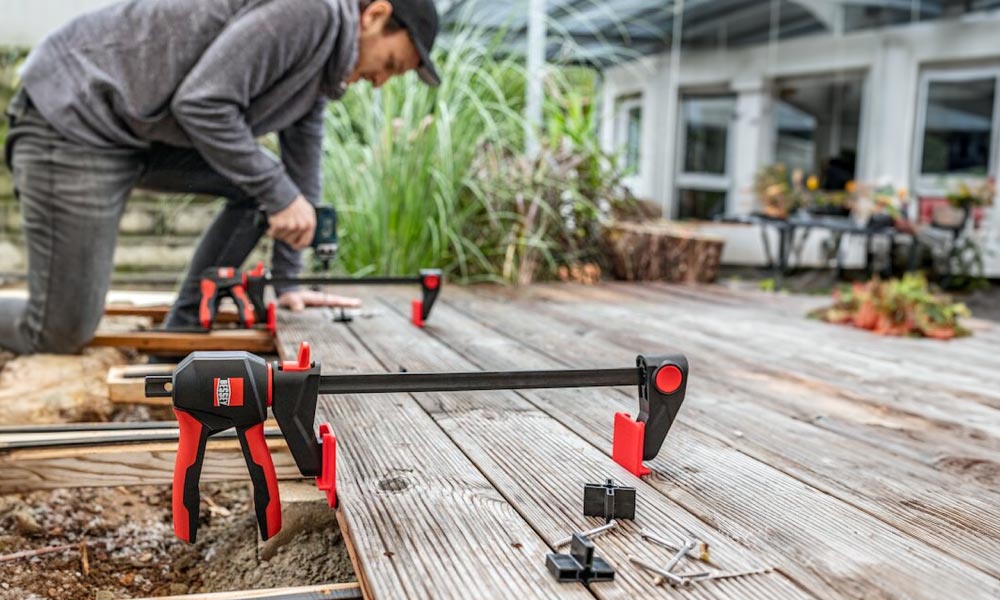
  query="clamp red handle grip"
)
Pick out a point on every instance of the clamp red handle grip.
point(267, 503)
point(209, 300)
point(187, 470)
point(243, 305)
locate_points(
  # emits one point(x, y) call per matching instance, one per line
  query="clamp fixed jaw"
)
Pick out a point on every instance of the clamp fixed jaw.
point(662, 386)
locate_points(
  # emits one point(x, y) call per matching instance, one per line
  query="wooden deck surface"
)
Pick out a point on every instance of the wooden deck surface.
point(855, 465)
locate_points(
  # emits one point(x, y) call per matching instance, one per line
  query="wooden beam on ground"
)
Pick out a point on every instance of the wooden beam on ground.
point(169, 342)
point(91, 462)
point(159, 313)
point(333, 591)
point(127, 384)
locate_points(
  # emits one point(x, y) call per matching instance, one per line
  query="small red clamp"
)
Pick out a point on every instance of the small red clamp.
point(327, 481)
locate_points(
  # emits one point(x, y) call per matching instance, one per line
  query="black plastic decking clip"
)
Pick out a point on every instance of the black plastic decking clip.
point(610, 501)
point(580, 564)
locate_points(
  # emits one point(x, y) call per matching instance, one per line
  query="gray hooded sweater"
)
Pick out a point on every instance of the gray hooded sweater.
point(212, 75)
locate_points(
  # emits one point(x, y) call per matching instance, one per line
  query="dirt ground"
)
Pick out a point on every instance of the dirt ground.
point(131, 550)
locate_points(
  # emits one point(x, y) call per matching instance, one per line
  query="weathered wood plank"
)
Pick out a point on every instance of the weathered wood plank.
point(158, 313)
point(126, 384)
point(333, 591)
point(425, 522)
point(810, 355)
point(112, 465)
point(800, 529)
point(908, 363)
point(164, 342)
point(541, 467)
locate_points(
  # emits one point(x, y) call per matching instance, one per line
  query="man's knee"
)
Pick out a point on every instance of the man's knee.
point(63, 338)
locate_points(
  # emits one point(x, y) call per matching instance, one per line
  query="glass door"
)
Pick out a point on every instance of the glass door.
point(704, 161)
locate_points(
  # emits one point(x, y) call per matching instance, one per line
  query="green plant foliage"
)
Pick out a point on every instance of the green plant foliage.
point(436, 177)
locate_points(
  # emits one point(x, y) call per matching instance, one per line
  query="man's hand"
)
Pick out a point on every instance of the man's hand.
point(295, 224)
point(297, 300)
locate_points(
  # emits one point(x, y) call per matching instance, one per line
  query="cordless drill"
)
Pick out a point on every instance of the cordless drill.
point(324, 245)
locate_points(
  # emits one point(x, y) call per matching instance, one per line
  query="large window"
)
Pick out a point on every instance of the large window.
point(959, 117)
point(703, 169)
point(817, 124)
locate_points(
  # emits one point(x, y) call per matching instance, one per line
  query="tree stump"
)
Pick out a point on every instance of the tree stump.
point(662, 251)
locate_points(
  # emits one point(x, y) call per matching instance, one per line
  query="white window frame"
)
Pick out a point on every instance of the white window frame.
point(707, 182)
point(624, 104)
point(931, 185)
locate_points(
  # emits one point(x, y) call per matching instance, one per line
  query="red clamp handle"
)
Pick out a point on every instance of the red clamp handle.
point(187, 471)
point(267, 503)
point(209, 299)
point(244, 307)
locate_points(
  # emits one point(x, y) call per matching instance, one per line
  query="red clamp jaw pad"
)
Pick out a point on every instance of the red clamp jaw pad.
point(662, 385)
point(213, 391)
point(327, 481)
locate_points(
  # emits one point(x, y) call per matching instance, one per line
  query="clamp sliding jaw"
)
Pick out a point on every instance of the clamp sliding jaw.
point(213, 391)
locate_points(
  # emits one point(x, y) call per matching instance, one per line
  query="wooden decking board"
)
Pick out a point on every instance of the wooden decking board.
point(166, 342)
point(516, 322)
point(512, 443)
point(953, 513)
point(125, 464)
point(876, 422)
point(961, 421)
point(425, 522)
point(914, 365)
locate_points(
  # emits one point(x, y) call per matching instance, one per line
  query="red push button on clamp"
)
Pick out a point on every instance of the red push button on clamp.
point(668, 379)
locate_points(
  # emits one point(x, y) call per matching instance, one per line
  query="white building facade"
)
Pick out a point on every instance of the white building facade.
point(914, 104)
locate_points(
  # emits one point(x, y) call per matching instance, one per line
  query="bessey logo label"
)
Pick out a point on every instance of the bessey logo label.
point(229, 391)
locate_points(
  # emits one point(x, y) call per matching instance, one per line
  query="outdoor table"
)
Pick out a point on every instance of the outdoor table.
point(838, 226)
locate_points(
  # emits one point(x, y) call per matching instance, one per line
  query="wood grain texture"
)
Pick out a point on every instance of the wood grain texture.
point(815, 534)
point(163, 342)
point(114, 464)
point(125, 386)
point(425, 522)
point(159, 313)
point(541, 468)
point(334, 591)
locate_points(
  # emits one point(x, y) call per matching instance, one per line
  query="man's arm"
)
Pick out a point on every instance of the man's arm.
point(302, 156)
point(247, 58)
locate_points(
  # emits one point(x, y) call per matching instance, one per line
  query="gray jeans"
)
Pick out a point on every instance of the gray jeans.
point(72, 198)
